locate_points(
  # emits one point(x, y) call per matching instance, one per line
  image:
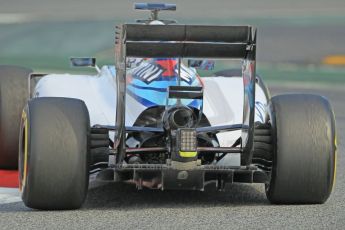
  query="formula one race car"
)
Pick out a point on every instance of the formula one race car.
point(151, 120)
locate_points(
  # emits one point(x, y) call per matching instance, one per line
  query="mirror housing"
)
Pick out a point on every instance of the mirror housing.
point(84, 62)
point(201, 64)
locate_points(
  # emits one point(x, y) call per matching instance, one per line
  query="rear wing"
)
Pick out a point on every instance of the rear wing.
point(187, 41)
point(140, 40)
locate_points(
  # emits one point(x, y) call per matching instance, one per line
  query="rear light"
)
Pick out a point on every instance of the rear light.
point(187, 140)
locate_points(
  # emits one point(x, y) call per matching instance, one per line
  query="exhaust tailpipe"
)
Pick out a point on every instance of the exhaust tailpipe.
point(179, 117)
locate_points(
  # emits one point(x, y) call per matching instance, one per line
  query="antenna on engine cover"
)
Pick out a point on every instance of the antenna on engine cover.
point(154, 8)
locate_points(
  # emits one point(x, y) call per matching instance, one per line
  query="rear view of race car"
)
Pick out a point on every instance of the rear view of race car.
point(168, 130)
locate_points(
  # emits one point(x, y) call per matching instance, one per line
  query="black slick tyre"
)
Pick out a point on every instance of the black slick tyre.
point(304, 149)
point(13, 96)
point(54, 153)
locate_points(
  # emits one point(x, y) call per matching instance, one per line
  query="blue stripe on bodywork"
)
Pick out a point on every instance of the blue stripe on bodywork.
point(141, 100)
point(147, 97)
point(157, 98)
point(156, 92)
point(149, 88)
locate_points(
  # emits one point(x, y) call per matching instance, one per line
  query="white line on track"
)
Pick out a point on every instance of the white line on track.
point(9, 195)
point(12, 195)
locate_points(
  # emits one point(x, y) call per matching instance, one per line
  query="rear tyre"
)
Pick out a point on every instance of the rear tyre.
point(303, 149)
point(54, 153)
point(99, 146)
point(262, 156)
point(13, 96)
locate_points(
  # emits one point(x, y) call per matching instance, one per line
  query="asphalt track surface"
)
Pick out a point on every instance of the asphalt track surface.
point(242, 206)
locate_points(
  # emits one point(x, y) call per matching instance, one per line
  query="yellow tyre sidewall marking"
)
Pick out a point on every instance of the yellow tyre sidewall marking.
point(25, 121)
point(335, 161)
point(335, 153)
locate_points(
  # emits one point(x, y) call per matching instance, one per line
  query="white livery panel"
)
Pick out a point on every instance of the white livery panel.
point(223, 99)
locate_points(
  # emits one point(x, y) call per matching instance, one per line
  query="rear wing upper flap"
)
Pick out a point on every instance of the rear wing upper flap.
point(140, 40)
